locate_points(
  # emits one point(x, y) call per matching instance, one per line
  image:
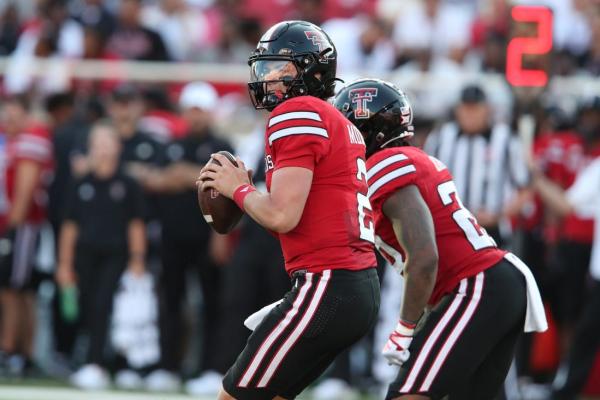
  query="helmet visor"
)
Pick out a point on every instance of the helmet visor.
point(273, 70)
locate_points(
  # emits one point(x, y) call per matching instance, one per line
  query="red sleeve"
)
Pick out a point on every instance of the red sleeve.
point(297, 135)
point(387, 172)
point(33, 145)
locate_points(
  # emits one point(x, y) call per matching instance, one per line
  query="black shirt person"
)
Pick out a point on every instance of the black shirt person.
point(102, 235)
point(185, 235)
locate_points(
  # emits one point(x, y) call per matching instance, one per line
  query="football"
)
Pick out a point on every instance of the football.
point(221, 213)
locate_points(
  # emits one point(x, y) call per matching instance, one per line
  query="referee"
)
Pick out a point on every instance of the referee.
point(486, 159)
point(583, 198)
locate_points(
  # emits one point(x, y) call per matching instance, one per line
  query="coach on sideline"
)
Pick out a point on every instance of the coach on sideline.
point(583, 198)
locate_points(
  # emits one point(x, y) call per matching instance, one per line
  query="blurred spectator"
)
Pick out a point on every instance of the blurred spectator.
point(185, 236)
point(131, 40)
point(159, 119)
point(562, 155)
point(266, 12)
point(309, 10)
point(582, 198)
point(27, 156)
point(183, 29)
point(10, 27)
point(94, 48)
point(55, 20)
point(491, 56)
point(486, 160)
point(430, 29)
point(348, 8)
point(52, 35)
point(69, 137)
point(125, 109)
point(102, 234)
point(493, 18)
point(138, 149)
point(238, 38)
point(571, 27)
point(592, 57)
point(94, 45)
point(94, 14)
point(362, 44)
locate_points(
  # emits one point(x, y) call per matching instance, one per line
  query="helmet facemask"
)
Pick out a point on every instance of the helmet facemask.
point(275, 79)
point(378, 133)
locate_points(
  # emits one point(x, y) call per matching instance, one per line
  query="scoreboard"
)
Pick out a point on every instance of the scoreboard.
point(537, 45)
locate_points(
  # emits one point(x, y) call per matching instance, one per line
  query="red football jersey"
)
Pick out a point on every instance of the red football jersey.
point(464, 248)
point(562, 155)
point(32, 145)
point(336, 230)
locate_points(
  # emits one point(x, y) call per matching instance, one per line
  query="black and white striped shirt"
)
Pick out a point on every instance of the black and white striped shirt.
point(487, 168)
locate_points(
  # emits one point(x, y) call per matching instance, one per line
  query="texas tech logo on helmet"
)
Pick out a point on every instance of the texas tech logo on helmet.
point(361, 97)
point(315, 38)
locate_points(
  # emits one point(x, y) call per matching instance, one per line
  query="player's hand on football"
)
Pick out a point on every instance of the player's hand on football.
point(396, 349)
point(224, 178)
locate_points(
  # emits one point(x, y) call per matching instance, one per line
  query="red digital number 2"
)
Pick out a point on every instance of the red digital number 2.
point(540, 44)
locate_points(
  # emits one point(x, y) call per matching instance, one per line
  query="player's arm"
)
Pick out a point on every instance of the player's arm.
point(65, 271)
point(171, 179)
point(27, 177)
point(413, 225)
point(280, 209)
point(581, 197)
point(136, 239)
point(551, 194)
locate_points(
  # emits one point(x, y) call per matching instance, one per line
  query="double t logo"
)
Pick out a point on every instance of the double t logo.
point(361, 97)
point(315, 38)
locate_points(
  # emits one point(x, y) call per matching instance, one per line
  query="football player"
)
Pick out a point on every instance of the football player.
point(316, 203)
point(465, 300)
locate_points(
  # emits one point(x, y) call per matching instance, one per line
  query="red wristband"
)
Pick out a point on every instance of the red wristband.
point(240, 194)
point(406, 324)
point(404, 328)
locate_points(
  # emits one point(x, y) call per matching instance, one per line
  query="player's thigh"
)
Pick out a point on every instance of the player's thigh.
point(461, 332)
point(299, 338)
point(16, 267)
point(487, 380)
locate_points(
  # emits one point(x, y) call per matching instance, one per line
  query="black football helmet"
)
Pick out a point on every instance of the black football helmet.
point(379, 110)
point(292, 53)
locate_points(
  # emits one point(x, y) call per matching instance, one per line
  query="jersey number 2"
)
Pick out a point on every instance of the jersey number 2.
point(367, 228)
point(475, 234)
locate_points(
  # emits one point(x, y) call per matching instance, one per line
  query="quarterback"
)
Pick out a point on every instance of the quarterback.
point(316, 204)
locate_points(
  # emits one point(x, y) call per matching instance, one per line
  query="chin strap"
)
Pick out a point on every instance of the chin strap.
point(405, 134)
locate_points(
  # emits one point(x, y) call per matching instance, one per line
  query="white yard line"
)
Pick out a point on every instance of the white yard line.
point(51, 393)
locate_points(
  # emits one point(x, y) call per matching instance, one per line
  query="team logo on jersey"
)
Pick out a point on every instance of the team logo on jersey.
point(361, 97)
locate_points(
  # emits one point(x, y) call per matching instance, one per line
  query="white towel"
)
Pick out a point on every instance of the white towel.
point(535, 317)
point(134, 329)
point(255, 319)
